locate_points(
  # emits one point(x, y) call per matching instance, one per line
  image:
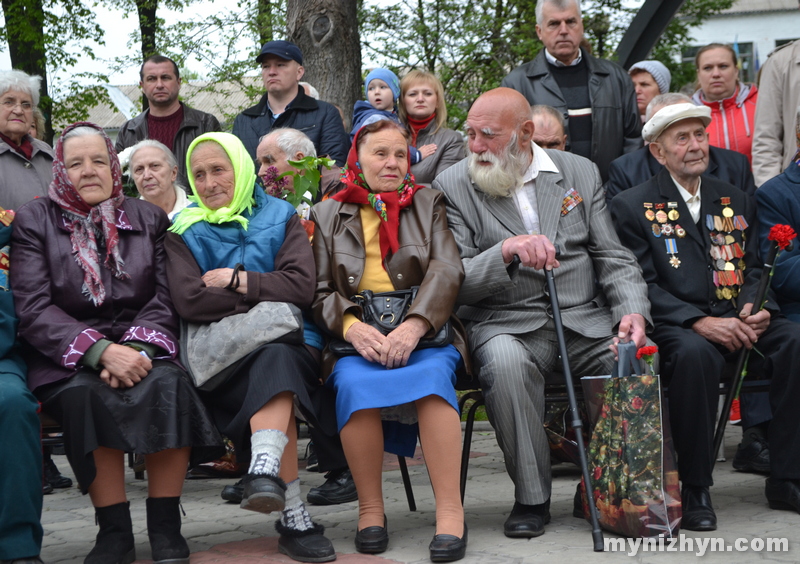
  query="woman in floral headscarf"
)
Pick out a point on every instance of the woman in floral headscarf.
point(382, 232)
point(99, 333)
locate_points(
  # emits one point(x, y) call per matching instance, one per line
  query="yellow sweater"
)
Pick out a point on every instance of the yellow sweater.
point(375, 278)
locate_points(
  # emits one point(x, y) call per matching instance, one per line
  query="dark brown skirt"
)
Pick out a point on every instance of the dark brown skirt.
point(161, 412)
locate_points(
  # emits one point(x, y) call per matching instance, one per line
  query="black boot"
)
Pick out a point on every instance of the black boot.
point(114, 544)
point(164, 529)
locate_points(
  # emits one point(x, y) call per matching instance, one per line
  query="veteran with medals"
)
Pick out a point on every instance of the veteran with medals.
point(701, 281)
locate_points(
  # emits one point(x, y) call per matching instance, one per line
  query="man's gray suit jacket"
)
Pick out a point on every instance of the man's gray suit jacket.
point(598, 280)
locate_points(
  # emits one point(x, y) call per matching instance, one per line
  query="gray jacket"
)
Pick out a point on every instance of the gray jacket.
point(194, 124)
point(22, 180)
point(616, 125)
point(449, 150)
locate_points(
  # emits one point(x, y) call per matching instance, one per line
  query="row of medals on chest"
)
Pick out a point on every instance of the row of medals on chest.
point(728, 276)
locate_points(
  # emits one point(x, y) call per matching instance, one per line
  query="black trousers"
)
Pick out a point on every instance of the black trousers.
point(691, 366)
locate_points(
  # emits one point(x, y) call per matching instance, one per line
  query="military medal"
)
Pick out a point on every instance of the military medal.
point(649, 214)
point(672, 250)
point(673, 211)
point(661, 215)
point(656, 230)
point(726, 211)
point(667, 229)
point(680, 231)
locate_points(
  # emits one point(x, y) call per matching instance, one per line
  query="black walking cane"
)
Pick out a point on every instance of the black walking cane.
point(744, 354)
point(577, 424)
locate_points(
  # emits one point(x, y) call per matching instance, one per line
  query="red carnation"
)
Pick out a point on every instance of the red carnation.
point(782, 235)
point(644, 351)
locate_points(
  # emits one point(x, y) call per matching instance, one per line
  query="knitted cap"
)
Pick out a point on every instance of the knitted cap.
point(658, 71)
point(388, 77)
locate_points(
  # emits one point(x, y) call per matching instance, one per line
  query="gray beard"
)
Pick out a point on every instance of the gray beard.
point(500, 178)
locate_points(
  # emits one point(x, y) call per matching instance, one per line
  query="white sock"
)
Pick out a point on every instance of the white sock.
point(267, 449)
point(294, 515)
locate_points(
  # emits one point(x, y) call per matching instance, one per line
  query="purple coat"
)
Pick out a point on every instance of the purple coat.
point(58, 323)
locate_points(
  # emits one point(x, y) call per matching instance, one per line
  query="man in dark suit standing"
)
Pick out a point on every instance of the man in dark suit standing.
point(512, 198)
point(633, 169)
point(691, 236)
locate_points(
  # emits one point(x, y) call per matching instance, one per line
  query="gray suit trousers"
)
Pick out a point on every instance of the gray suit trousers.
point(511, 371)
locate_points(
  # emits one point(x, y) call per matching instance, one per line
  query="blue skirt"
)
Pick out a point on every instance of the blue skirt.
point(361, 384)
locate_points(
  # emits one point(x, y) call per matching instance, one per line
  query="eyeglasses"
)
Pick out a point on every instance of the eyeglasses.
point(10, 104)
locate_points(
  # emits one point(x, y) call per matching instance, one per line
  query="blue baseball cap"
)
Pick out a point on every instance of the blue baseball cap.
point(283, 49)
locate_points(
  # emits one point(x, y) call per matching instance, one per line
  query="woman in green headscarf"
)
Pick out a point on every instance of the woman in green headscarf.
point(233, 248)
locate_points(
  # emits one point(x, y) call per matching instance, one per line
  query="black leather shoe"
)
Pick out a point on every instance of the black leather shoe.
point(53, 476)
point(527, 521)
point(46, 488)
point(698, 513)
point(783, 494)
point(447, 548)
point(752, 458)
point(339, 487)
point(305, 546)
point(233, 493)
point(373, 540)
point(263, 493)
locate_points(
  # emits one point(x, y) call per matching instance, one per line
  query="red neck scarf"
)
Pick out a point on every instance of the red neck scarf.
point(386, 204)
point(85, 223)
point(417, 125)
point(25, 148)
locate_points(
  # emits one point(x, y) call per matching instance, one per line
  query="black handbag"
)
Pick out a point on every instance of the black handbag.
point(385, 311)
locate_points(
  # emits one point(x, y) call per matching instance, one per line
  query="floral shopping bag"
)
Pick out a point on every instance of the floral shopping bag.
point(631, 457)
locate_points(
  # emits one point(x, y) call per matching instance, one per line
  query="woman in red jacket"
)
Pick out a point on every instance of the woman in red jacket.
point(732, 103)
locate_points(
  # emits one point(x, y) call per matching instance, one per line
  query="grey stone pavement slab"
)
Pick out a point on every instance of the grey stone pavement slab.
point(221, 532)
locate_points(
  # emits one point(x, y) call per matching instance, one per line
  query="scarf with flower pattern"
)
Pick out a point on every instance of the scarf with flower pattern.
point(86, 224)
point(386, 204)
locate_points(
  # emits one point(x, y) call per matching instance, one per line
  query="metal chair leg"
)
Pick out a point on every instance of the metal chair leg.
point(412, 505)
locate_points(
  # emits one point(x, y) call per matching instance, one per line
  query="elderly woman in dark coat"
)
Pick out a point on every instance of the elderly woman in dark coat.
point(88, 269)
point(26, 164)
point(233, 249)
point(382, 232)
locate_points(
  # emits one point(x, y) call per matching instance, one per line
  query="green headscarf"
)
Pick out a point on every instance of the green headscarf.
point(245, 178)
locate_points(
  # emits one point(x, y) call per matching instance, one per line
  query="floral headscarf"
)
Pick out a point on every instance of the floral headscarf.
point(386, 204)
point(86, 223)
point(244, 171)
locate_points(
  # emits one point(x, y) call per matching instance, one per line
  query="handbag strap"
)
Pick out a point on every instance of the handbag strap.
point(627, 363)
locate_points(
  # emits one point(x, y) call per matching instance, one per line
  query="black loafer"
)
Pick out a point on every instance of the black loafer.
point(448, 548)
point(752, 458)
point(527, 521)
point(373, 540)
point(54, 477)
point(233, 493)
point(783, 494)
point(263, 493)
point(698, 513)
point(305, 546)
point(339, 487)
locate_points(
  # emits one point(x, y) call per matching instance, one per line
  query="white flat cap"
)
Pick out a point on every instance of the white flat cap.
point(668, 115)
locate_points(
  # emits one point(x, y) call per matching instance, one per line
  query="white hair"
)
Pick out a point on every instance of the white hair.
point(558, 4)
point(171, 160)
point(18, 80)
point(292, 141)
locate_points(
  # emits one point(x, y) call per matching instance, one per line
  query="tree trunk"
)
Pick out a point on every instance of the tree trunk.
point(327, 33)
point(264, 20)
point(25, 33)
point(148, 26)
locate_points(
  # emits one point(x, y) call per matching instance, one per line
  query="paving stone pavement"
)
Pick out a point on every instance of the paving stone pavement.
point(220, 532)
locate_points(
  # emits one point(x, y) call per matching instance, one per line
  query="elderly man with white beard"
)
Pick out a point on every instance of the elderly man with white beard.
point(509, 204)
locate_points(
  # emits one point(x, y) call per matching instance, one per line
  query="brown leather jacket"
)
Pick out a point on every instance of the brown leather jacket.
point(428, 257)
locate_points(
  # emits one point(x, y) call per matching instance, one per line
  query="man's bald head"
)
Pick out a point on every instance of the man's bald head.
point(499, 131)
